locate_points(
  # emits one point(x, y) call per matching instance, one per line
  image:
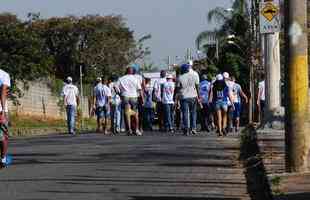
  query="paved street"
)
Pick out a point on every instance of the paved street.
point(155, 166)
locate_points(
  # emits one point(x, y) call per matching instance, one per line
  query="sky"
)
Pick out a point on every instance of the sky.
point(173, 24)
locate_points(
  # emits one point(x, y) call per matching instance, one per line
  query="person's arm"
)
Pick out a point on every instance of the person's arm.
point(142, 96)
point(258, 96)
point(211, 95)
point(4, 95)
point(230, 96)
point(77, 97)
point(244, 95)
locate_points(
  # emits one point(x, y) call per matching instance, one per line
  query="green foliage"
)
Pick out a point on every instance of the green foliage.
point(58, 46)
point(234, 58)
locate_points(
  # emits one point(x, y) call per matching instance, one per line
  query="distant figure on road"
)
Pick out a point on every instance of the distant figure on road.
point(261, 98)
point(167, 95)
point(101, 105)
point(220, 95)
point(130, 89)
point(189, 94)
point(116, 106)
point(5, 84)
point(230, 111)
point(70, 94)
point(204, 89)
point(237, 93)
point(148, 106)
point(157, 98)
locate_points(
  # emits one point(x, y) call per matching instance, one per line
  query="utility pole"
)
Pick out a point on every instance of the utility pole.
point(297, 132)
point(273, 74)
point(168, 62)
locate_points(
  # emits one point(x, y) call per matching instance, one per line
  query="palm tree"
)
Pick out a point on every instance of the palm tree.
point(234, 21)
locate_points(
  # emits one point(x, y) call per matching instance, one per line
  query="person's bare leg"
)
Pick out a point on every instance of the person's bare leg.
point(224, 115)
point(237, 123)
point(136, 115)
point(98, 125)
point(127, 118)
point(219, 121)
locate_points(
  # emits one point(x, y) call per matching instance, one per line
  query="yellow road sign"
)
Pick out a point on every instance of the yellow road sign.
point(270, 11)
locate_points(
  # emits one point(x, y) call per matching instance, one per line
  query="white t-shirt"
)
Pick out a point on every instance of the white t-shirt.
point(70, 93)
point(188, 84)
point(101, 93)
point(230, 85)
point(157, 88)
point(5, 80)
point(129, 86)
point(261, 87)
point(168, 92)
point(116, 99)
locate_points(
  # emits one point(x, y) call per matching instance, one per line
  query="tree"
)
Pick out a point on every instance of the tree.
point(100, 44)
point(234, 57)
point(22, 53)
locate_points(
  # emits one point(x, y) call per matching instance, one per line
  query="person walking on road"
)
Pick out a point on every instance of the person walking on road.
point(101, 105)
point(261, 98)
point(5, 84)
point(167, 92)
point(189, 94)
point(230, 112)
point(204, 89)
point(116, 107)
point(220, 94)
point(148, 106)
point(70, 95)
point(237, 93)
point(157, 98)
point(130, 89)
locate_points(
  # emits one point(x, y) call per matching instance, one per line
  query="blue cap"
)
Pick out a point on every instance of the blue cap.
point(185, 67)
point(135, 67)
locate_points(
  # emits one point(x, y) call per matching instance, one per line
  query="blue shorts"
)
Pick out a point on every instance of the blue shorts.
point(102, 112)
point(221, 105)
point(237, 111)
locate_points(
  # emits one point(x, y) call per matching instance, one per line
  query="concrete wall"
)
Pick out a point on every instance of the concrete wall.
point(39, 100)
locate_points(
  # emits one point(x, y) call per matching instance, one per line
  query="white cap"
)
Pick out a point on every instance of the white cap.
point(219, 77)
point(169, 76)
point(226, 75)
point(99, 79)
point(69, 79)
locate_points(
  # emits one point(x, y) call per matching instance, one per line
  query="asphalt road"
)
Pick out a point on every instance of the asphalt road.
point(155, 166)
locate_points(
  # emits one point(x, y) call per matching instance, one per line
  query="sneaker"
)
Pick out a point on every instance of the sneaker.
point(224, 132)
point(129, 133)
point(194, 132)
point(138, 133)
point(185, 132)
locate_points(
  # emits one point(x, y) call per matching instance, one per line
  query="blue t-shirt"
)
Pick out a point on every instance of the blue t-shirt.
point(204, 89)
point(148, 101)
point(102, 93)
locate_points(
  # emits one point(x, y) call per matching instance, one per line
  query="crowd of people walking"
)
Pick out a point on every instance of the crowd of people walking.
point(180, 101)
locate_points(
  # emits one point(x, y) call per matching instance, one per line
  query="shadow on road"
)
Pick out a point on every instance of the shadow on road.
point(178, 198)
point(255, 172)
point(299, 196)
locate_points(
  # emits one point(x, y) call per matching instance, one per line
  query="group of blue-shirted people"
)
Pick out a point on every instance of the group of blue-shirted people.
point(133, 103)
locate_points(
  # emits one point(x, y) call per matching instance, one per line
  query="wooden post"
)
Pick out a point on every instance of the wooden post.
point(297, 132)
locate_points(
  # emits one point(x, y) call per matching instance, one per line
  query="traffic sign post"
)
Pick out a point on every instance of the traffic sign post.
point(269, 17)
point(270, 26)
